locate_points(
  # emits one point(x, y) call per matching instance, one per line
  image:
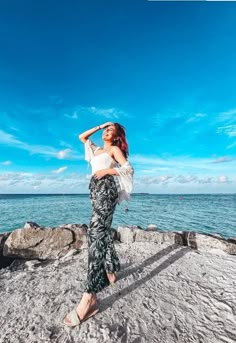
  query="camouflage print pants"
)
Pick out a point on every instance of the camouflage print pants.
point(102, 257)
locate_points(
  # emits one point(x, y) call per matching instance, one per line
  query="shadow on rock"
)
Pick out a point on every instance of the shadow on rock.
point(110, 300)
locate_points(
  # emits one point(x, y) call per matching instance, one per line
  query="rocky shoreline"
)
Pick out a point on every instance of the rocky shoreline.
point(33, 241)
point(173, 287)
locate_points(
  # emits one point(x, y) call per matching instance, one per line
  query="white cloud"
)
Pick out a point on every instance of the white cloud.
point(195, 118)
point(42, 183)
point(205, 179)
point(229, 130)
point(145, 165)
point(74, 115)
point(110, 113)
point(59, 170)
point(231, 146)
point(6, 163)
point(10, 140)
point(186, 178)
point(223, 179)
point(78, 183)
point(62, 154)
point(46, 151)
point(227, 115)
point(65, 144)
point(185, 184)
point(224, 159)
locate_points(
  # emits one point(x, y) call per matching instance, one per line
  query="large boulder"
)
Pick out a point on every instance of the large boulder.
point(129, 234)
point(213, 243)
point(34, 241)
point(210, 243)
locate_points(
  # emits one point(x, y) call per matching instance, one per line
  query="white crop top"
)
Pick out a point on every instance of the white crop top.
point(102, 161)
point(124, 181)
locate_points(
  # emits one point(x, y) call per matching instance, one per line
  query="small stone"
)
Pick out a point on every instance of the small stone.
point(29, 225)
point(151, 227)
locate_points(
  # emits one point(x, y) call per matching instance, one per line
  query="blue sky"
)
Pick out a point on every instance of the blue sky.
point(164, 70)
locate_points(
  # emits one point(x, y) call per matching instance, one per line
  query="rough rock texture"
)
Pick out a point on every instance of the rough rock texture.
point(164, 293)
point(34, 241)
point(201, 242)
point(134, 234)
point(152, 227)
point(4, 261)
point(210, 243)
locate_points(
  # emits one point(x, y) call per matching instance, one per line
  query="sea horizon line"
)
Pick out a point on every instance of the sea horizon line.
point(135, 193)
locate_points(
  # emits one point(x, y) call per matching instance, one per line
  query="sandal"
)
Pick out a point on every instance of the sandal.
point(75, 319)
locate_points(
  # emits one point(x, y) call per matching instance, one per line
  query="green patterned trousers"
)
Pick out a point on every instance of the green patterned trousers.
point(102, 257)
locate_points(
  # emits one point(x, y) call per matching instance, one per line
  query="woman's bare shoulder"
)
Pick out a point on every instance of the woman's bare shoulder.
point(115, 148)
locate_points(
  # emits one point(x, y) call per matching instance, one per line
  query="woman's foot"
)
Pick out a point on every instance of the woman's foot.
point(111, 277)
point(86, 304)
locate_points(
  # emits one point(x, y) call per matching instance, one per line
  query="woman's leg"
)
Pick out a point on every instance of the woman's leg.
point(112, 263)
point(101, 252)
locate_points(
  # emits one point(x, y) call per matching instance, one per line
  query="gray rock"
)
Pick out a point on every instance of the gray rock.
point(69, 255)
point(4, 261)
point(151, 227)
point(30, 265)
point(202, 242)
point(134, 234)
point(29, 225)
point(232, 240)
point(126, 234)
point(209, 243)
point(162, 295)
point(115, 235)
point(44, 243)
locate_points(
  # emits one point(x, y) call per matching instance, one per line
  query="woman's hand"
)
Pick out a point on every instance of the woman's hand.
point(100, 173)
point(106, 124)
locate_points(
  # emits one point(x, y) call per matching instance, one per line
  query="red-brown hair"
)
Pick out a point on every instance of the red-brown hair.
point(120, 139)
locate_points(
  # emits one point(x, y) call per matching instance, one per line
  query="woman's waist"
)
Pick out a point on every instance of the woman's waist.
point(100, 167)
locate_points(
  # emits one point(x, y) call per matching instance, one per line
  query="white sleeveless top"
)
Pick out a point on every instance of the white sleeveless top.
point(102, 161)
point(124, 181)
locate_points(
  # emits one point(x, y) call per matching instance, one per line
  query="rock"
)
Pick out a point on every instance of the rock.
point(158, 237)
point(115, 235)
point(32, 264)
point(70, 253)
point(29, 225)
point(35, 242)
point(4, 261)
point(202, 242)
point(232, 240)
point(151, 227)
point(126, 233)
point(209, 243)
point(161, 295)
point(217, 235)
point(134, 234)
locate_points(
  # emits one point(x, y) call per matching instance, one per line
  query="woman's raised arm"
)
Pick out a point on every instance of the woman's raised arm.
point(83, 137)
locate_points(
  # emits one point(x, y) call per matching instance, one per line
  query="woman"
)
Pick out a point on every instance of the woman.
point(111, 182)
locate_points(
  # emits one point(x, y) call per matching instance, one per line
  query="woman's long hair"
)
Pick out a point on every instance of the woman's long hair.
point(120, 139)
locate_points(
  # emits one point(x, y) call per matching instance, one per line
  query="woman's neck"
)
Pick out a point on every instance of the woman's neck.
point(107, 146)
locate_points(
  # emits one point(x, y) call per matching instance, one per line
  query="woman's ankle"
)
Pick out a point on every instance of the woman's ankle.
point(89, 296)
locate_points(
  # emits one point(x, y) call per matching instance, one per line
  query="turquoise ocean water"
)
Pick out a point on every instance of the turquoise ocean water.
point(201, 213)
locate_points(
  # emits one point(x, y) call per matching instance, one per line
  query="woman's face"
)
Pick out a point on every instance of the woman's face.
point(109, 133)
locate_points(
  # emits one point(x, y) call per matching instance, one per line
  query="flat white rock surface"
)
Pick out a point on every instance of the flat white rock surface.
point(164, 294)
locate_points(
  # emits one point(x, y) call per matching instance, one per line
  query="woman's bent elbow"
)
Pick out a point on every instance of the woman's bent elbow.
point(82, 139)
